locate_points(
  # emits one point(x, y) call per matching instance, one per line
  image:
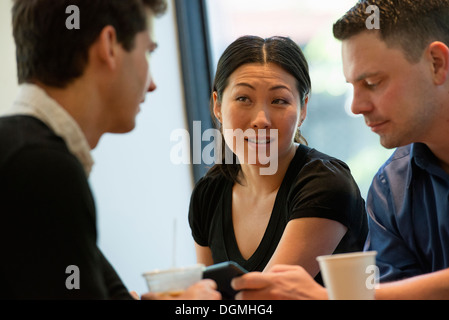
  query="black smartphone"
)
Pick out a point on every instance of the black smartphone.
point(223, 273)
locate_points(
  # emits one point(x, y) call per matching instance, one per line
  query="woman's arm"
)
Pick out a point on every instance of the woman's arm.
point(203, 255)
point(306, 238)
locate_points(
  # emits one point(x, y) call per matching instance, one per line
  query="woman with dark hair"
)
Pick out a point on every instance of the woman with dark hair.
point(308, 205)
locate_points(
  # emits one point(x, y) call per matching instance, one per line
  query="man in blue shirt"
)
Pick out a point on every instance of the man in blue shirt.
point(408, 214)
point(401, 79)
point(400, 75)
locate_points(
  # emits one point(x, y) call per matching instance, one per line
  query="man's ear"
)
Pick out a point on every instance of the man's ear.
point(439, 53)
point(106, 47)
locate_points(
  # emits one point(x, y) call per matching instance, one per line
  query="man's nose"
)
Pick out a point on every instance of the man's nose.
point(152, 86)
point(361, 104)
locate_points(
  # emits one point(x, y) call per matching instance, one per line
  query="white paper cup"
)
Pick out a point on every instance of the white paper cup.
point(349, 276)
point(173, 281)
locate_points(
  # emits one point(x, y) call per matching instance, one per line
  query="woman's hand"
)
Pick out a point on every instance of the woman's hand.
point(281, 282)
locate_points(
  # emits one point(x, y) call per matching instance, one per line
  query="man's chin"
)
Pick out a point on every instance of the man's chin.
point(389, 143)
point(124, 128)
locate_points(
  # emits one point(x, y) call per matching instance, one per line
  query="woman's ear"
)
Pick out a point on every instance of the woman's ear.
point(303, 111)
point(217, 106)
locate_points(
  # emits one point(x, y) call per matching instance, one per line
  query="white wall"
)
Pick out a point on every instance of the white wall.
point(138, 192)
point(8, 74)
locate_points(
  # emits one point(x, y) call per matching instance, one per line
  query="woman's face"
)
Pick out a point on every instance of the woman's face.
point(262, 101)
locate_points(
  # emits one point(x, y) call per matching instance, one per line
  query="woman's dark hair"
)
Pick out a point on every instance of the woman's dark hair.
point(281, 51)
point(49, 52)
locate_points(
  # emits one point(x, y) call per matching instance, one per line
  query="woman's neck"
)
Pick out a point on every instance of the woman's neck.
point(259, 184)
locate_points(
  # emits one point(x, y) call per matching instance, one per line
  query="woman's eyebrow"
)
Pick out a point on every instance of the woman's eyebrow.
point(277, 87)
point(281, 86)
point(244, 84)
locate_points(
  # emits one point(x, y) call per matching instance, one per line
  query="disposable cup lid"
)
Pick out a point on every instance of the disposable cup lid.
point(346, 255)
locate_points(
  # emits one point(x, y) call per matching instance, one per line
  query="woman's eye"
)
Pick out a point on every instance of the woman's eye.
point(280, 101)
point(242, 99)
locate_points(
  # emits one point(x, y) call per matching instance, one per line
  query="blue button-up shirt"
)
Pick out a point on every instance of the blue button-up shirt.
point(408, 208)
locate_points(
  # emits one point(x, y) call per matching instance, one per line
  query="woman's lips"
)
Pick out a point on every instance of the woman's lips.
point(259, 140)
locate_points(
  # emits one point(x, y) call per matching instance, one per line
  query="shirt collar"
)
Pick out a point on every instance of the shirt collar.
point(426, 160)
point(34, 101)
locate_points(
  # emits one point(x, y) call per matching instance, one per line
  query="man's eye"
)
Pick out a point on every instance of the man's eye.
point(371, 84)
point(148, 55)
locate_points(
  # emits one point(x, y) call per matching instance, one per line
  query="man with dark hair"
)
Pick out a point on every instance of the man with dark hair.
point(400, 75)
point(76, 85)
point(400, 79)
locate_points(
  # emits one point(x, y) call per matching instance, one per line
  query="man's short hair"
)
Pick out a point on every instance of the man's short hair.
point(49, 52)
point(410, 24)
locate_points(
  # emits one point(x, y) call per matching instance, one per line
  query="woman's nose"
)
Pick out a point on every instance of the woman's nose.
point(262, 118)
